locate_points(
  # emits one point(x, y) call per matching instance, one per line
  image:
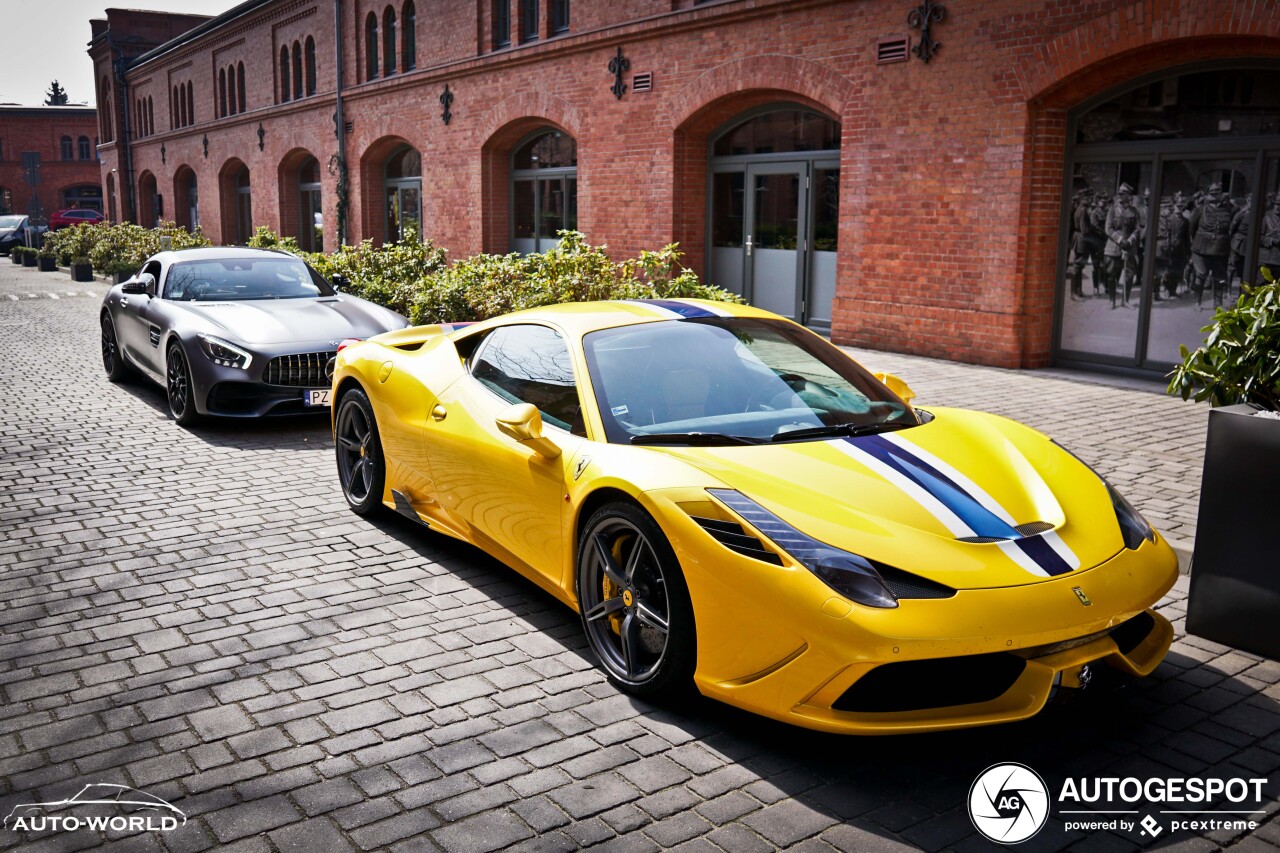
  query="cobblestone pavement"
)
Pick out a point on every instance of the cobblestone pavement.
point(196, 614)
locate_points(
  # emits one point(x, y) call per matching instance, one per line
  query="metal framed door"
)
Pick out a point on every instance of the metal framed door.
point(776, 242)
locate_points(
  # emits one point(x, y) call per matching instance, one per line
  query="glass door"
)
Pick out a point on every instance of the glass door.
point(404, 211)
point(776, 217)
point(823, 245)
point(311, 224)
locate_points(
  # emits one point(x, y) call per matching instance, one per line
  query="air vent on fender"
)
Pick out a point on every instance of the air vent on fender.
point(731, 535)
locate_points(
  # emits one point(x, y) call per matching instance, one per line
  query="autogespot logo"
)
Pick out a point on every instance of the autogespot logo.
point(1008, 803)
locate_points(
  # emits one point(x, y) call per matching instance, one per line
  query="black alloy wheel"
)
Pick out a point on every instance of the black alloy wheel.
point(634, 603)
point(361, 469)
point(182, 407)
point(112, 359)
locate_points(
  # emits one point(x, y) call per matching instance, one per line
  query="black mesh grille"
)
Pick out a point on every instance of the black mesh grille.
point(981, 540)
point(1032, 528)
point(304, 370)
point(938, 683)
point(906, 585)
point(731, 535)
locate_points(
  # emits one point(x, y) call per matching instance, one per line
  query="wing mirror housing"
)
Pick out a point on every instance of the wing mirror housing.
point(338, 281)
point(144, 283)
point(897, 386)
point(523, 422)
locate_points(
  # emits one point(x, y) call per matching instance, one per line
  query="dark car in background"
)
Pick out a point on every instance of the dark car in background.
point(74, 216)
point(233, 332)
point(13, 229)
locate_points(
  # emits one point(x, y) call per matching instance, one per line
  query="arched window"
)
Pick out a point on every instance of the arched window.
point(310, 221)
point(284, 74)
point(311, 65)
point(173, 108)
point(371, 46)
point(409, 40)
point(389, 41)
point(184, 118)
point(559, 16)
point(297, 71)
point(104, 111)
point(231, 90)
point(544, 190)
point(68, 152)
point(191, 102)
point(83, 144)
point(403, 185)
point(222, 93)
point(240, 87)
point(151, 115)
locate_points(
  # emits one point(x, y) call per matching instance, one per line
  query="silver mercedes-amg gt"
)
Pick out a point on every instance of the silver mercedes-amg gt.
point(233, 332)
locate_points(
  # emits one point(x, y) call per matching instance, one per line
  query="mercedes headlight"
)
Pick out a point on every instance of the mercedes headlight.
point(852, 576)
point(224, 353)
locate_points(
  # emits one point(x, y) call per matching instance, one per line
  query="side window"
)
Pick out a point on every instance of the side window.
point(531, 364)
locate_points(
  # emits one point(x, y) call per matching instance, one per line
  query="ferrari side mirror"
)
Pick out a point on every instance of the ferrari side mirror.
point(523, 422)
point(897, 386)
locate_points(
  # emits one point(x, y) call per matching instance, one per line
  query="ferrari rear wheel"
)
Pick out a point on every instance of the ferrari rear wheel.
point(112, 359)
point(634, 602)
point(361, 468)
point(178, 388)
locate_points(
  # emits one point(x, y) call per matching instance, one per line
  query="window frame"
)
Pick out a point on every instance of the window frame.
point(564, 173)
point(408, 36)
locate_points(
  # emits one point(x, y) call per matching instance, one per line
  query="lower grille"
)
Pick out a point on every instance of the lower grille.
point(917, 685)
point(304, 370)
point(1129, 634)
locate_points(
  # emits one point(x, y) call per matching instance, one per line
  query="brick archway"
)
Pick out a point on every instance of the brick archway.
point(148, 190)
point(1096, 57)
point(509, 121)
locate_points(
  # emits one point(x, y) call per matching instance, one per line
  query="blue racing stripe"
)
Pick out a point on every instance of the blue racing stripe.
point(982, 521)
point(681, 308)
point(1046, 558)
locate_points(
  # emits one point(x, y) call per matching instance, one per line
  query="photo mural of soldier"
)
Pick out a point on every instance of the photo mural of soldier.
point(1124, 242)
point(1210, 242)
point(1173, 247)
point(1269, 239)
point(1239, 239)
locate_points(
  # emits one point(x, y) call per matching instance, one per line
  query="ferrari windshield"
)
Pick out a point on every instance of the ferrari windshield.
point(243, 278)
point(732, 380)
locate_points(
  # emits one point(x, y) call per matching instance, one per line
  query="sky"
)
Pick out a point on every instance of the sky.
point(44, 41)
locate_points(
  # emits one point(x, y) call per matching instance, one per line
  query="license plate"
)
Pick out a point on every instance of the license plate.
point(319, 397)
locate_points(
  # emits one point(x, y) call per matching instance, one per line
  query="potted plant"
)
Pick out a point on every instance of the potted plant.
point(28, 256)
point(81, 268)
point(15, 256)
point(1235, 582)
point(46, 260)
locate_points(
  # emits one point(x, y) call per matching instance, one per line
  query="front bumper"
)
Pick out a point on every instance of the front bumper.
point(230, 392)
point(778, 642)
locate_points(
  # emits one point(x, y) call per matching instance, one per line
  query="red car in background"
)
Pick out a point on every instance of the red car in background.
point(74, 216)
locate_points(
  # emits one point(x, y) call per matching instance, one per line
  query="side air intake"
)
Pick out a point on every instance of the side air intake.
point(731, 535)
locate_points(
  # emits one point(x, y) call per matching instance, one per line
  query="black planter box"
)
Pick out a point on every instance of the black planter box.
point(82, 272)
point(47, 264)
point(1235, 572)
point(14, 257)
point(28, 260)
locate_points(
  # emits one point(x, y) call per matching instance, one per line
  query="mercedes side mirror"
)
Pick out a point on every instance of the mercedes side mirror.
point(338, 281)
point(897, 386)
point(134, 287)
point(523, 422)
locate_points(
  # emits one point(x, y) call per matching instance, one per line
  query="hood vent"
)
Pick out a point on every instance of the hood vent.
point(1031, 528)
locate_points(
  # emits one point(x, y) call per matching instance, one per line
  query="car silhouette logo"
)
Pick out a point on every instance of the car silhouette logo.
point(130, 804)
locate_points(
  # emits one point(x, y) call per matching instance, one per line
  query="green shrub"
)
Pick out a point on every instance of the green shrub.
point(1239, 361)
point(122, 248)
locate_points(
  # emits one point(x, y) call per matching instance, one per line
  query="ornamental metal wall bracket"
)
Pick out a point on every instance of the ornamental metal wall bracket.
point(922, 18)
point(205, 143)
point(446, 101)
point(618, 66)
point(262, 137)
point(162, 153)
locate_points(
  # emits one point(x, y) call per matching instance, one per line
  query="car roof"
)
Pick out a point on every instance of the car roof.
point(217, 253)
point(580, 318)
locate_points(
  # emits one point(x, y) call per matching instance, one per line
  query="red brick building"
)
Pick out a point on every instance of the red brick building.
point(55, 146)
point(803, 152)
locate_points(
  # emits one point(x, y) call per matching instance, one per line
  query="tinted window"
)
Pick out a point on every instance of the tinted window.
point(243, 278)
point(530, 364)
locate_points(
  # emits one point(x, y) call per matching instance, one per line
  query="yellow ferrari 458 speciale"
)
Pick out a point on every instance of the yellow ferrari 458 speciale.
point(728, 500)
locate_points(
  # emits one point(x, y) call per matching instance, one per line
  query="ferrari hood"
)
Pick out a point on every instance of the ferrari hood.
point(282, 321)
point(970, 500)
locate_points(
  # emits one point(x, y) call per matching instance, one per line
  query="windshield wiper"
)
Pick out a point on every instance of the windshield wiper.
point(839, 430)
point(699, 438)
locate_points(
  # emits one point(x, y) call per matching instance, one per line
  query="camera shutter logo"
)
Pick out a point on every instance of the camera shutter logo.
point(1008, 803)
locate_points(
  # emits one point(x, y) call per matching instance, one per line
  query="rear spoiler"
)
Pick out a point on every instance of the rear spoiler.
point(415, 336)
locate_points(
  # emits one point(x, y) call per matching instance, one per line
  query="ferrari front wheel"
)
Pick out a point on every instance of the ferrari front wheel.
point(634, 602)
point(361, 469)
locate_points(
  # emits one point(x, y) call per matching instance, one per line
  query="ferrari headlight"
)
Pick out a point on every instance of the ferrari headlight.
point(1133, 527)
point(852, 576)
point(224, 353)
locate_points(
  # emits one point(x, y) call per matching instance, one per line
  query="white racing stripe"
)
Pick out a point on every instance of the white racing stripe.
point(666, 313)
point(913, 490)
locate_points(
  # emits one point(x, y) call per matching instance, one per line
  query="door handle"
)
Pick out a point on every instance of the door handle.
point(439, 413)
point(124, 302)
point(748, 247)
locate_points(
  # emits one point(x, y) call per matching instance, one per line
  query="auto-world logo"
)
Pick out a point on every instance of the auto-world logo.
point(99, 807)
point(1008, 803)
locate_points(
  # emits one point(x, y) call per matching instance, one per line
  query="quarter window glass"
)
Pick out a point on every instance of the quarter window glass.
point(531, 364)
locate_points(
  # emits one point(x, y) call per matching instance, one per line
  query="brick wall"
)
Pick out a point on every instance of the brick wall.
point(951, 171)
point(41, 130)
